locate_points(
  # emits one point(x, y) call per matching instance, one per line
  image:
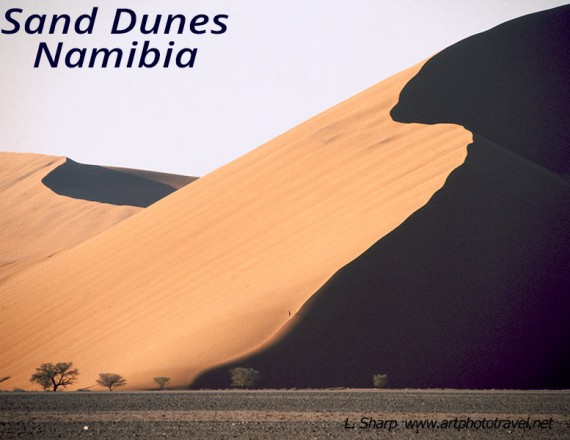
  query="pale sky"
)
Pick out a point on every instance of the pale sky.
point(278, 64)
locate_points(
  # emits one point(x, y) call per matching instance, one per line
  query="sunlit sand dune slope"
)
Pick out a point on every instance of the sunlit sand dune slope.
point(212, 271)
point(36, 222)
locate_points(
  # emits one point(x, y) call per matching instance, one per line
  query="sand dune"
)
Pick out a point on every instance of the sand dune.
point(210, 272)
point(471, 290)
point(36, 223)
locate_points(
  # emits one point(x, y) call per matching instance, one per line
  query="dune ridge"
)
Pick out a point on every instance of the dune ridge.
point(211, 272)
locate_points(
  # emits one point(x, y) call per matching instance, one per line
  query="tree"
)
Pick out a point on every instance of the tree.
point(44, 381)
point(111, 380)
point(54, 376)
point(162, 381)
point(380, 380)
point(244, 377)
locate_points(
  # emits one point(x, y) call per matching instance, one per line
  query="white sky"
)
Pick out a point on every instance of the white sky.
point(279, 63)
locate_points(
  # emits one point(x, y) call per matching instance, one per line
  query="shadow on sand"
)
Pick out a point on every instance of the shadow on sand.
point(104, 185)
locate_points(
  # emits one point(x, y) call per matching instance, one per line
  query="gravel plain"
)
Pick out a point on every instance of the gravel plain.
point(277, 414)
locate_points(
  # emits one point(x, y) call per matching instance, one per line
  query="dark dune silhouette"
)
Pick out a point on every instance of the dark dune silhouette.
point(471, 291)
point(510, 84)
point(112, 185)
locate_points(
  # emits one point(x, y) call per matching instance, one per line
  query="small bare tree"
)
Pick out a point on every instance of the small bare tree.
point(5, 378)
point(244, 377)
point(380, 380)
point(54, 376)
point(162, 381)
point(111, 380)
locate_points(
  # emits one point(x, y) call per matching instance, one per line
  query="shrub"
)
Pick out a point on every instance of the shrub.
point(380, 380)
point(244, 377)
point(55, 375)
point(162, 381)
point(111, 380)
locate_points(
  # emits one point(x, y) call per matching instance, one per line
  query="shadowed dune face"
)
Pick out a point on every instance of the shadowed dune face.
point(471, 291)
point(510, 84)
point(175, 181)
point(106, 185)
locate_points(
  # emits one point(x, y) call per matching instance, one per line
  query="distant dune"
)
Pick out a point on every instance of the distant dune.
point(174, 181)
point(36, 223)
point(212, 271)
point(472, 291)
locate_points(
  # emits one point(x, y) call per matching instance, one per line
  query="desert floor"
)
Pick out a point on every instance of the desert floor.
point(281, 414)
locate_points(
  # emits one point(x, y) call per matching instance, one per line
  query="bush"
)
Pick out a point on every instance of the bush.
point(162, 381)
point(111, 380)
point(380, 380)
point(55, 375)
point(244, 377)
